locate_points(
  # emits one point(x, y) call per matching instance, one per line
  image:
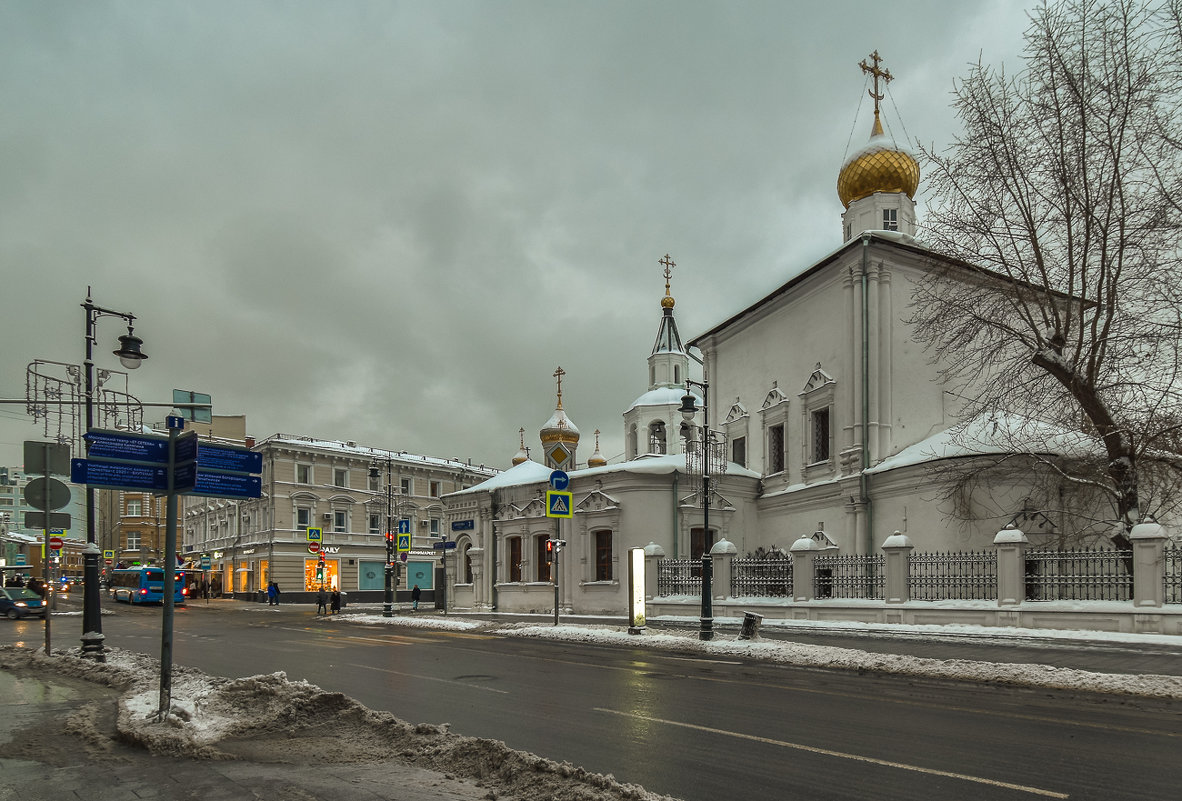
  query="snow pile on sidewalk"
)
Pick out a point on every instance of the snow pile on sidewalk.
point(268, 718)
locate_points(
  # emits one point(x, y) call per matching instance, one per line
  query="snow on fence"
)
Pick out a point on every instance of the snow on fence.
point(679, 577)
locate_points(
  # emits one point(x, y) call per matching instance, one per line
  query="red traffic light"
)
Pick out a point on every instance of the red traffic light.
point(389, 536)
point(549, 546)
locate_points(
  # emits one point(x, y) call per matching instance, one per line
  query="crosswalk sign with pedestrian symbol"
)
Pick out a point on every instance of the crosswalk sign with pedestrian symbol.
point(403, 543)
point(558, 504)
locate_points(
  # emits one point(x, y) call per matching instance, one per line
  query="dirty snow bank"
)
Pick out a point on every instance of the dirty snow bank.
point(269, 718)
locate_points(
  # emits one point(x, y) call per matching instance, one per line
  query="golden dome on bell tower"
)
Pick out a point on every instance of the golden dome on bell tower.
point(882, 165)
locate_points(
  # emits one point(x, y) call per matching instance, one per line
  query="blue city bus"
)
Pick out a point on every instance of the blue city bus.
point(145, 585)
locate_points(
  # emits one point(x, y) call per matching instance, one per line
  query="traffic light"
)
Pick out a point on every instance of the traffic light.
point(549, 550)
point(389, 536)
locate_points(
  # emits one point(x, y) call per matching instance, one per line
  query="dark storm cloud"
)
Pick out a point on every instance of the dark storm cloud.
point(390, 222)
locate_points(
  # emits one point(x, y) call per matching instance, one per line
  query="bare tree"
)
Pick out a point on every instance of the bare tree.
point(1059, 206)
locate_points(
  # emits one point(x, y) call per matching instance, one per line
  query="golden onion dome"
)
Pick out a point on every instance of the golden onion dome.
point(880, 166)
point(597, 459)
point(667, 302)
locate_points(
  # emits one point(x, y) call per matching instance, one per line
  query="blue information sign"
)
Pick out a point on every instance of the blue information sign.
point(113, 475)
point(222, 457)
point(463, 525)
point(559, 480)
point(403, 526)
point(206, 563)
point(444, 546)
point(227, 485)
point(186, 447)
point(113, 445)
point(184, 477)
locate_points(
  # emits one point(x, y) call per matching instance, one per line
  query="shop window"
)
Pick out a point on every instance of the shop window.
point(603, 555)
point(515, 559)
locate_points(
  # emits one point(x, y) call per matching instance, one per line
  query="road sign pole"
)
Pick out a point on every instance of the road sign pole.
point(45, 553)
point(175, 424)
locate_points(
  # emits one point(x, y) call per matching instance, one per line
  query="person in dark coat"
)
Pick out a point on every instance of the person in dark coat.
point(415, 595)
point(336, 601)
point(273, 594)
point(322, 601)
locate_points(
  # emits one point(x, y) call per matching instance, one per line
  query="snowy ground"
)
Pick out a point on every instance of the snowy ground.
point(218, 718)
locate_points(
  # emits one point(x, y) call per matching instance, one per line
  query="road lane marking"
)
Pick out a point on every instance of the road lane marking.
point(432, 678)
point(812, 749)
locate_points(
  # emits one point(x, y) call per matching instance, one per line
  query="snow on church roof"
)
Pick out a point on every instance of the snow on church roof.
point(992, 434)
point(663, 396)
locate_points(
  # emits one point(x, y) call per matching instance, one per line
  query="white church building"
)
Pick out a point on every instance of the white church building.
point(827, 410)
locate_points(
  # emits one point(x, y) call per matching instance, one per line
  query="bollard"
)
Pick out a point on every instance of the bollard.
point(750, 630)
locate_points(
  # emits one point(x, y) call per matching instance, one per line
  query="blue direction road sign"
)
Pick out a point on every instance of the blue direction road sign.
point(404, 527)
point(227, 485)
point(186, 447)
point(444, 546)
point(463, 525)
point(114, 475)
point(223, 457)
point(559, 504)
point(129, 447)
point(559, 481)
point(184, 477)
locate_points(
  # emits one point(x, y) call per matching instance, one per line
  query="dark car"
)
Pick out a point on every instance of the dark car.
point(18, 602)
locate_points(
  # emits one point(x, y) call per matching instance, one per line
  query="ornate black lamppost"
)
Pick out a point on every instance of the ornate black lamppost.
point(688, 411)
point(130, 356)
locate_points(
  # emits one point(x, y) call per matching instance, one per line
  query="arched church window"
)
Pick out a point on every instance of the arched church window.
point(514, 559)
point(677, 374)
point(656, 437)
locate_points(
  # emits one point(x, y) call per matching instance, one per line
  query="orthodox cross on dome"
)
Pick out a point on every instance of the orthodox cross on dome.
point(668, 264)
point(559, 373)
point(875, 93)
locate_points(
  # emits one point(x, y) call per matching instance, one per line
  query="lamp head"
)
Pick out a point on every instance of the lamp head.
point(129, 352)
point(688, 407)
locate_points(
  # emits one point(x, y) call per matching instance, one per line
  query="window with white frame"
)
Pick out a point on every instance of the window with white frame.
point(603, 555)
point(135, 507)
point(340, 477)
point(133, 540)
point(436, 487)
point(817, 403)
point(890, 219)
point(375, 523)
point(303, 474)
point(407, 486)
point(775, 430)
point(434, 527)
point(303, 517)
point(340, 521)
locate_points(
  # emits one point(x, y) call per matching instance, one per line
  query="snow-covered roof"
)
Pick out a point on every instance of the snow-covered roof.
point(354, 449)
point(533, 473)
point(992, 434)
point(663, 396)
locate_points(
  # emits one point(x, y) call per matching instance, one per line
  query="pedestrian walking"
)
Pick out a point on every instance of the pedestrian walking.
point(415, 595)
point(336, 601)
point(273, 594)
point(322, 602)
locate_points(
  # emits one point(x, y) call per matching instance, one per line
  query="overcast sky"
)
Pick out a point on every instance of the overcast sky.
point(390, 222)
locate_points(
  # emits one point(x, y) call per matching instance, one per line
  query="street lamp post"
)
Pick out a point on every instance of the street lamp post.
point(688, 410)
point(130, 356)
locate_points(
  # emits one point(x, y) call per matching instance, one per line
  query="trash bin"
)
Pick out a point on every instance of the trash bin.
point(750, 630)
point(262, 596)
point(344, 599)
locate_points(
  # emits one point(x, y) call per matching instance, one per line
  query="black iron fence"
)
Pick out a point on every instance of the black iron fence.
point(1079, 575)
point(1173, 574)
point(850, 576)
point(968, 575)
point(679, 577)
point(756, 578)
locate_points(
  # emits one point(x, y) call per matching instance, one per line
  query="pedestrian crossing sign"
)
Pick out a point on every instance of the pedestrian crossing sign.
point(559, 504)
point(403, 543)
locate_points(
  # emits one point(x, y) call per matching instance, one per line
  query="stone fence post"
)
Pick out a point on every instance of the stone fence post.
point(804, 552)
point(653, 553)
point(1011, 566)
point(721, 557)
point(897, 548)
point(1149, 542)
